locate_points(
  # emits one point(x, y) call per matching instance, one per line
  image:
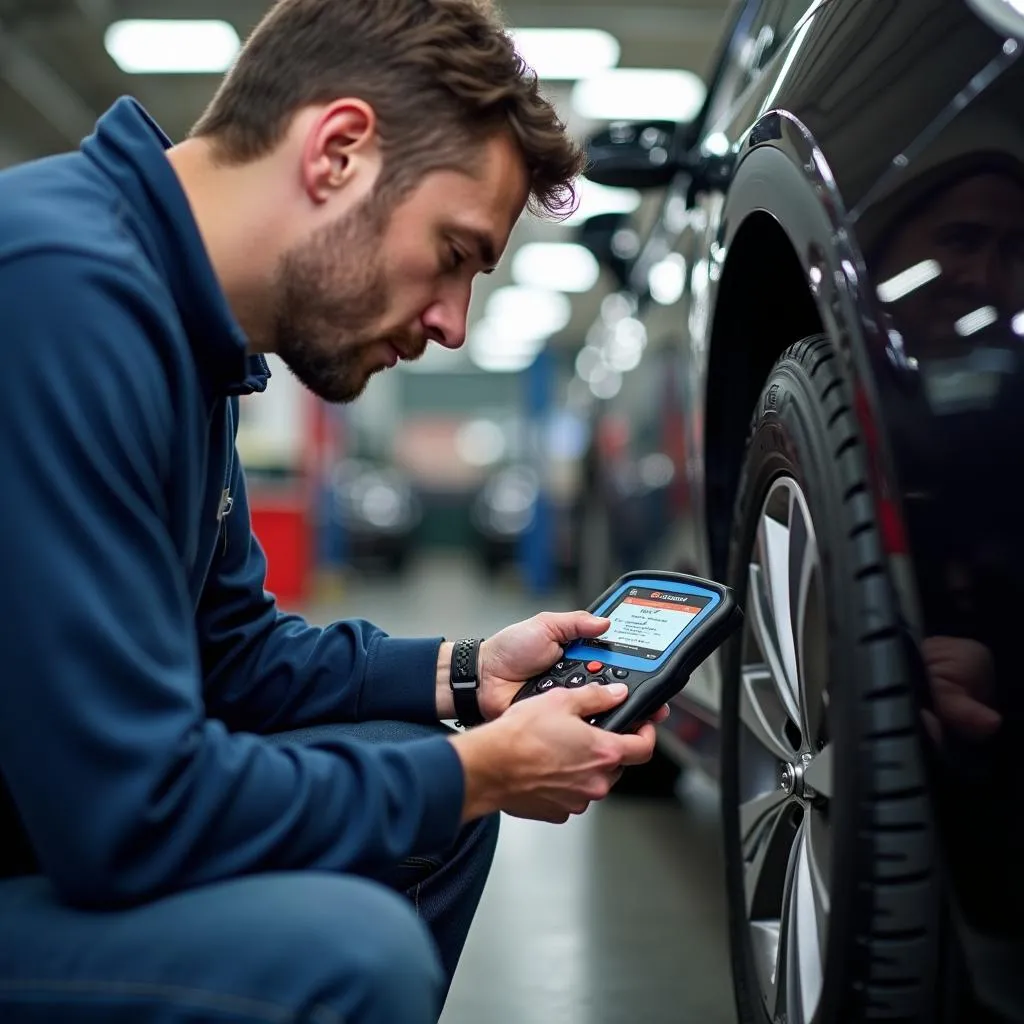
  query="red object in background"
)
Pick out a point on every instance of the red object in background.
point(282, 527)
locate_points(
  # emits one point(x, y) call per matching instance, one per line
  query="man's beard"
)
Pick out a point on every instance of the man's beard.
point(331, 290)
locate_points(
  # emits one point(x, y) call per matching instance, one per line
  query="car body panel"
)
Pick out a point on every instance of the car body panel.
point(884, 139)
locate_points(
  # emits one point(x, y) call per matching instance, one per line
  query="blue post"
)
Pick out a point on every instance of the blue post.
point(537, 548)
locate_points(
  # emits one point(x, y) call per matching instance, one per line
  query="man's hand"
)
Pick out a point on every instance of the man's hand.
point(521, 651)
point(541, 760)
point(962, 677)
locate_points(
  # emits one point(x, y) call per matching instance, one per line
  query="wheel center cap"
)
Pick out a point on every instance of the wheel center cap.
point(791, 778)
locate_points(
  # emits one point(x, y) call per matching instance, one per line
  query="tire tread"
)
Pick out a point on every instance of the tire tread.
point(895, 936)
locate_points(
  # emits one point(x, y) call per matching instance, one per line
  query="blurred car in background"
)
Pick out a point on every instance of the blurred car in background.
point(375, 513)
point(835, 285)
point(505, 509)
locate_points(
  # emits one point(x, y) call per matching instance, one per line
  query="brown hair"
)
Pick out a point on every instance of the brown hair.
point(442, 76)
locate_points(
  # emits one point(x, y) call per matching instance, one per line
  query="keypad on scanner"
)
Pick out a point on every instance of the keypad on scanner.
point(574, 674)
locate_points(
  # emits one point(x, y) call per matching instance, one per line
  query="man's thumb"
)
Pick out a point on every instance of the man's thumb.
point(591, 625)
point(594, 697)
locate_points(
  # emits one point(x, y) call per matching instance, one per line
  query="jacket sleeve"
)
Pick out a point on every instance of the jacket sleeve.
point(267, 671)
point(126, 788)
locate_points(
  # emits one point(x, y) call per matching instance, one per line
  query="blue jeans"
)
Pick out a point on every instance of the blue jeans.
point(289, 948)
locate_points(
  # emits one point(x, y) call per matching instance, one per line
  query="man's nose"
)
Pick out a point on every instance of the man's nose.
point(445, 323)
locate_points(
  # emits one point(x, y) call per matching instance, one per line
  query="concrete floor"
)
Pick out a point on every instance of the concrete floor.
point(617, 917)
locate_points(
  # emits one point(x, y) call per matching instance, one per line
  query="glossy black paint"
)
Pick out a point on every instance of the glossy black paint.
point(868, 160)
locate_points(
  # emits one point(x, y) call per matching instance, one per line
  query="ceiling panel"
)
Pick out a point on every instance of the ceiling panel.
point(62, 77)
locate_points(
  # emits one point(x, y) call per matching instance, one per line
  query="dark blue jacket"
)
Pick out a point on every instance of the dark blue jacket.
point(140, 653)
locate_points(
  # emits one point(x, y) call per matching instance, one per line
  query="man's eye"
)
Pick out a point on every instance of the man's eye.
point(455, 258)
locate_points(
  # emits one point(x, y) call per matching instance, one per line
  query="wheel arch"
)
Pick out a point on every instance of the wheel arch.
point(763, 305)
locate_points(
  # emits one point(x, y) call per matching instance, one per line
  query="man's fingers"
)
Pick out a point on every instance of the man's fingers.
point(595, 697)
point(638, 747)
point(568, 626)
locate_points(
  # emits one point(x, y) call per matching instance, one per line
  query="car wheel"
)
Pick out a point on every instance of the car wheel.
point(833, 895)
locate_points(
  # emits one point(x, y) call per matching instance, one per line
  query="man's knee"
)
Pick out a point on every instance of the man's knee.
point(378, 960)
point(309, 946)
point(481, 839)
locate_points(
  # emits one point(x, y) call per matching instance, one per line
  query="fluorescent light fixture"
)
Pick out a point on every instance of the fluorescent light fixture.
point(566, 53)
point(587, 362)
point(496, 361)
point(534, 313)
point(976, 321)
point(437, 359)
point(717, 144)
point(626, 345)
point(617, 306)
point(908, 280)
point(155, 46)
point(1017, 323)
point(560, 266)
point(605, 383)
point(481, 443)
point(624, 353)
point(1006, 16)
point(667, 280)
point(503, 345)
point(639, 94)
point(595, 200)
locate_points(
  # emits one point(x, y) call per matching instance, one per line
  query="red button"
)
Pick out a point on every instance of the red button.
point(594, 666)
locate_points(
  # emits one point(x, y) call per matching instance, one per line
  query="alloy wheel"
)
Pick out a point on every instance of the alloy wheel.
point(785, 759)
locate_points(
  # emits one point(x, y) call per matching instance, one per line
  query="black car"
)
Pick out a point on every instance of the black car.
point(848, 216)
point(374, 515)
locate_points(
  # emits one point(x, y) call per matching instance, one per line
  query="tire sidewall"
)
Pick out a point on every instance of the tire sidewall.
point(790, 439)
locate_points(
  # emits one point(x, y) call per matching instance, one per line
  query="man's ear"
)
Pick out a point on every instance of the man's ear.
point(341, 146)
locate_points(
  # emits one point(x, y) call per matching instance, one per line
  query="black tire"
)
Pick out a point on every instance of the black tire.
point(880, 947)
point(655, 780)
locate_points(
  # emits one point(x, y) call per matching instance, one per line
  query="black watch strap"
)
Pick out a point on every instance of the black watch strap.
point(465, 682)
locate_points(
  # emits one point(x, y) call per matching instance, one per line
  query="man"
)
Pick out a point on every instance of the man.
point(169, 851)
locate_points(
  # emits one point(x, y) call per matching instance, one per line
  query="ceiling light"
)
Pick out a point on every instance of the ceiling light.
point(638, 94)
point(436, 359)
point(561, 266)
point(496, 361)
point(529, 312)
point(502, 346)
point(481, 443)
point(587, 361)
point(154, 46)
point(605, 383)
point(595, 200)
point(976, 321)
point(617, 306)
point(566, 53)
point(667, 280)
point(908, 281)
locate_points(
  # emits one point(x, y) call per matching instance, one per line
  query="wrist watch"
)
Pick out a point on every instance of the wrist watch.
point(465, 682)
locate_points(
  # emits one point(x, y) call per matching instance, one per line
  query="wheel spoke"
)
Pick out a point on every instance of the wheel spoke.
point(779, 999)
point(807, 921)
point(763, 627)
point(777, 543)
point(807, 617)
point(762, 711)
point(818, 774)
point(764, 941)
point(785, 758)
point(767, 855)
point(758, 816)
point(766, 885)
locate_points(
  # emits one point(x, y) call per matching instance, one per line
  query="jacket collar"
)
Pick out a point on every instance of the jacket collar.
point(130, 147)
